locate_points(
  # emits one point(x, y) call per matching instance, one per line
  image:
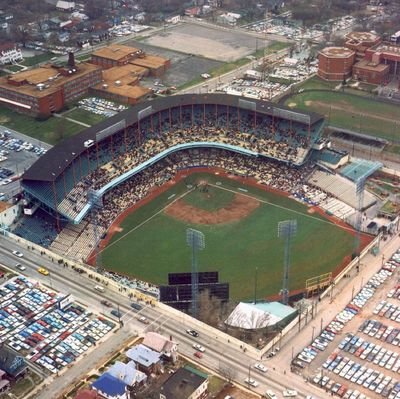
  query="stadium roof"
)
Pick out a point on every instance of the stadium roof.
point(49, 166)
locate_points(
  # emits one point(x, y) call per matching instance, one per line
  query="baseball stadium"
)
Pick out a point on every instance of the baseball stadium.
point(121, 194)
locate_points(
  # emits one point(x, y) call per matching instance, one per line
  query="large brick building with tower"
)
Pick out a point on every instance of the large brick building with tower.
point(335, 63)
point(365, 57)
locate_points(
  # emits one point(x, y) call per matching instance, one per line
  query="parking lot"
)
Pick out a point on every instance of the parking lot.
point(45, 326)
point(356, 355)
point(101, 106)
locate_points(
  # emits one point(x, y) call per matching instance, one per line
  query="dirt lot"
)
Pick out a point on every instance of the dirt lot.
point(184, 67)
point(207, 42)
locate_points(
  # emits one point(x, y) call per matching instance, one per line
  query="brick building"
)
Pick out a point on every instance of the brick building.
point(156, 65)
point(114, 55)
point(42, 91)
point(335, 63)
point(359, 42)
point(121, 84)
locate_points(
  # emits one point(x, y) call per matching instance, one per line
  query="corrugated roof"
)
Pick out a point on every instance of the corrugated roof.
point(115, 52)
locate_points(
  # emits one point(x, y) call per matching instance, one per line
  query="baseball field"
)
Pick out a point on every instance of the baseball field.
point(240, 226)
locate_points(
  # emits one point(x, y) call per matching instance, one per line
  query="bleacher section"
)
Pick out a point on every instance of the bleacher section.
point(340, 188)
point(39, 228)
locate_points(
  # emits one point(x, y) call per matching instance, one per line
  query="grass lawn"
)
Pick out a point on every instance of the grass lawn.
point(84, 116)
point(235, 249)
point(51, 131)
point(37, 59)
point(357, 113)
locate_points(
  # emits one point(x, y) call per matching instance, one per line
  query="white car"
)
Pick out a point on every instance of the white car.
point(199, 348)
point(289, 393)
point(251, 382)
point(20, 267)
point(260, 367)
point(17, 253)
point(270, 395)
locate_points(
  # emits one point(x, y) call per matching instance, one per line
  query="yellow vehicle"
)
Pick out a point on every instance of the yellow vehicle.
point(43, 271)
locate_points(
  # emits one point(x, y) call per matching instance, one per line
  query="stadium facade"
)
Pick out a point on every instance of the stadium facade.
point(76, 161)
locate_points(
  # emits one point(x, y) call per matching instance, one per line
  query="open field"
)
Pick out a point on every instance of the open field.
point(81, 115)
point(149, 243)
point(208, 42)
point(52, 130)
point(357, 113)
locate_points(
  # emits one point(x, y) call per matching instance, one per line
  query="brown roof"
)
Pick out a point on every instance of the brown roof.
point(7, 46)
point(47, 75)
point(4, 206)
point(128, 71)
point(87, 394)
point(125, 90)
point(367, 65)
point(362, 36)
point(337, 52)
point(150, 61)
point(115, 52)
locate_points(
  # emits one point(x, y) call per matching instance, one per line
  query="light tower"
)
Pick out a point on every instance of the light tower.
point(286, 230)
point(195, 240)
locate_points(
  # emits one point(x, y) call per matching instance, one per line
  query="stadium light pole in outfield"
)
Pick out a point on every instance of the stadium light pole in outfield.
point(286, 230)
point(195, 240)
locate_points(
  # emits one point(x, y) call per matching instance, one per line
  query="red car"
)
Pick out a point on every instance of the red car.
point(198, 354)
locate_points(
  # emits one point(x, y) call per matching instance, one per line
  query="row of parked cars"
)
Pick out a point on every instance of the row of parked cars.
point(381, 331)
point(371, 352)
point(355, 373)
point(388, 310)
point(34, 322)
point(342, 365)
point(11, 143)
point(100, 106)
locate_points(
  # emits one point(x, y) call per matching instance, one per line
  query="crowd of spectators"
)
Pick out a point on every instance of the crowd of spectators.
point(269, 172)
point(271, 137)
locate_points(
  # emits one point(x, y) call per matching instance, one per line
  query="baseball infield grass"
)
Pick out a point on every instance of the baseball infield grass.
point(151, 244)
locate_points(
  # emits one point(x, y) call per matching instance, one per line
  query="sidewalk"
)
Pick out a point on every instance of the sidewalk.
point(295, 341)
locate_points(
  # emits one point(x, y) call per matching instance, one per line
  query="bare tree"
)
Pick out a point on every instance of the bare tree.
point(227, 372)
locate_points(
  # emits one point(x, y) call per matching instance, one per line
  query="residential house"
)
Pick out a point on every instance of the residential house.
point(146, 359)
point(87, 394)
point(4, 383)
point(193, 11)
point(65, 5)
point(9, 53)
point(185, 383)
point(13, 364)
point(110, 387)
point(127, 373)
point(166, 347)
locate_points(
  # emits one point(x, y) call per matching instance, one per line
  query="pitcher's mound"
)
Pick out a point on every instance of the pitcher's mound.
point(239, 208)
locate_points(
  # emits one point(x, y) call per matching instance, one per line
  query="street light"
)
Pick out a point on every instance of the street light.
point(312, 333)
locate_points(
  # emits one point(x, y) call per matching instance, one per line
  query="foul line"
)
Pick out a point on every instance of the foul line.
point(148, 219)
point(284, 208)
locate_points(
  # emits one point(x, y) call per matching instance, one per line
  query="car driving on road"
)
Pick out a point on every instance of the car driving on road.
point(17, 253)
point(193, 333)
point(43, 271)
point(106, 303)
point(251, 381)
point(199, 348)
point(20, 267)
point(260, 367)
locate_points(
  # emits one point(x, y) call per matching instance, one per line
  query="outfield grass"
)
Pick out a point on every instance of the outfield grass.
point(235, 249)
point(52, 130)
point(357, 113)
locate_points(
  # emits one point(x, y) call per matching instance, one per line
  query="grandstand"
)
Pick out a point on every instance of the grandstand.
point(113, 152)
point(340, 188)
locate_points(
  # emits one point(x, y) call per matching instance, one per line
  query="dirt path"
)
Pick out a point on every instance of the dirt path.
point(238, 209)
